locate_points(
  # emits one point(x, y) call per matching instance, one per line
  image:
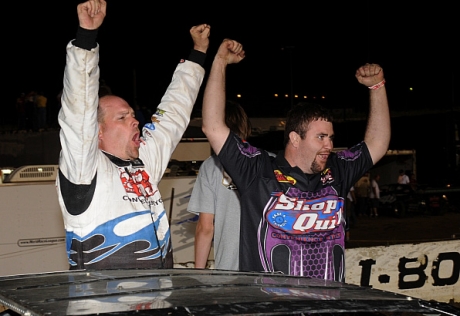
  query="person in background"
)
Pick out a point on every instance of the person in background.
point(350, 214)
point(403, 178)
point(113, 213)
point(40, 108)
point(21, 112)
point(362, 191)
point(29, 104)
point(292, 204)
point(216, 199)
point(374, 196)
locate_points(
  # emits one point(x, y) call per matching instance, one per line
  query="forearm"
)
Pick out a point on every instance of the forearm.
point(378, 131)
point(203, 241)
point(214, 106)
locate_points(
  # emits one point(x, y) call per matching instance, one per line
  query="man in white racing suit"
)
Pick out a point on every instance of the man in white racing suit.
point(113, 213)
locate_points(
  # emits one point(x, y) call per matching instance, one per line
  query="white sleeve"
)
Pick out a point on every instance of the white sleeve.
point(78, 115)
point(171, 118)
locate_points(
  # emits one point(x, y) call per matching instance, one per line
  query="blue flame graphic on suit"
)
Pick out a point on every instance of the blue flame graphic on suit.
point(104, 242)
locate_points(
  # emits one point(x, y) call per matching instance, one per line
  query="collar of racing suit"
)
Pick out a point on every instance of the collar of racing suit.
point(135, 163)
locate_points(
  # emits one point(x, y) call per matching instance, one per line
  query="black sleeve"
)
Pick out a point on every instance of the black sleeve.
point(197, 57)
point(77, 197)
point(85, 39)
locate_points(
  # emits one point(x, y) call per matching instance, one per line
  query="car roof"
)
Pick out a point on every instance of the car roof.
point(199, 292)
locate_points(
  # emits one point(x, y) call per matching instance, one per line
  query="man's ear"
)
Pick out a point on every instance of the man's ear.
point(294, 139)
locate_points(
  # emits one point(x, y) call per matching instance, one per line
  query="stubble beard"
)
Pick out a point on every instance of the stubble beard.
point(315, 167)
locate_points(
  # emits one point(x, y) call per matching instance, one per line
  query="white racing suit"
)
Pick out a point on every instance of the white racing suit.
point(113, 213)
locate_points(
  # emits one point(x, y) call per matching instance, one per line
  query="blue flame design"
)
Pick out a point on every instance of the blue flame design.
point(113, 242)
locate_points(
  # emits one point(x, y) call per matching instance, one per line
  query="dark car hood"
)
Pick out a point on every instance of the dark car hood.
point(197, 292)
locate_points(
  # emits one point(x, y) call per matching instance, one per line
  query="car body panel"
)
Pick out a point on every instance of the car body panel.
point(198, 292)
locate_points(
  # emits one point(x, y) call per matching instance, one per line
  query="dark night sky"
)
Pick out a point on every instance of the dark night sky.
point(414, 43)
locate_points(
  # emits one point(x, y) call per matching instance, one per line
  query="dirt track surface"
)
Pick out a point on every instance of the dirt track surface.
point(412, 228)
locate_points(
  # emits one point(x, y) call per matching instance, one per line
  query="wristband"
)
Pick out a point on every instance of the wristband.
point(377, 85)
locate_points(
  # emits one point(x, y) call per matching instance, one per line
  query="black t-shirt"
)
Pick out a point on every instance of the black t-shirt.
point(292, 222)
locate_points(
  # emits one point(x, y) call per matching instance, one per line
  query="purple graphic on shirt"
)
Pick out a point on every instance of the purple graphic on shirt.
point(351, 154)
point(248, 150)
point(301, 234)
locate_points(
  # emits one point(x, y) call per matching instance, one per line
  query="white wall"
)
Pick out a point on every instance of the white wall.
point(32, 237)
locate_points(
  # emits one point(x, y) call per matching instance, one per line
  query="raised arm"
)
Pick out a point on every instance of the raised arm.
point(378, 130)
point(79, 98)
point(229, 52)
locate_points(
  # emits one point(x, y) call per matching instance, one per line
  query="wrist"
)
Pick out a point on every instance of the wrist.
point(200, 48)
point(377, 85)
point(85, 38)
point(220, 60)
point(197, 57)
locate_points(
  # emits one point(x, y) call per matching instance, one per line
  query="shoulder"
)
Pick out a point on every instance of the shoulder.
point(210, 165)
point(353, 153)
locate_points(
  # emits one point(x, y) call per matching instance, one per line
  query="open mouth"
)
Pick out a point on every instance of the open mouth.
point(136, 139)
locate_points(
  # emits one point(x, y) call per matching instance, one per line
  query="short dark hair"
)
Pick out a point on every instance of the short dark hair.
point(237, 120)
point(301, 115)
